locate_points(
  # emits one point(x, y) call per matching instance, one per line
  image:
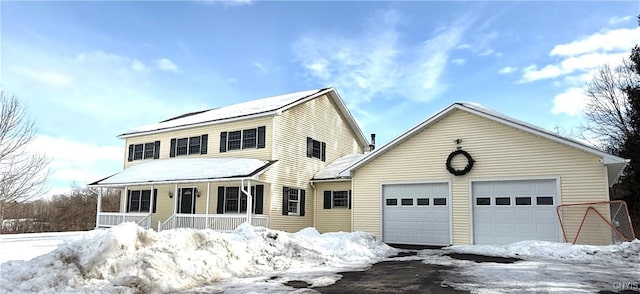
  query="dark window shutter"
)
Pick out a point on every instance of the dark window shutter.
point(323, 152)
point(327, 200)
point(285, 200)
point(261, 137)
point(172, 152)
point(156, 150)
point(128, 200)
point(349, 199)
point(302, 193)
point(223, 142)
point(155, 199)
point(204, 141)
point(309, 147)
point(220, 208)
point(259, 198)
point(130, 158)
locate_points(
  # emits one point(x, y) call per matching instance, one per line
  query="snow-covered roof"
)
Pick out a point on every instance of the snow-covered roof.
point(615, 164)
point(336, 169)
point(186, 169)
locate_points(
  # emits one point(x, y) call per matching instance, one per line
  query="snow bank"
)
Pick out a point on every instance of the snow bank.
point(129, 259)
point(624, 253)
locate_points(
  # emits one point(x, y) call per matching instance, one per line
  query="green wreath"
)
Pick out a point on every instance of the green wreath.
point(466, 169)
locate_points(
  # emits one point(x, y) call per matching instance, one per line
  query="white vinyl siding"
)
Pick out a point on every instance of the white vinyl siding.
point(500, 152)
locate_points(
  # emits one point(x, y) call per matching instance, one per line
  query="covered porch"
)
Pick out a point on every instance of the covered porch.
point(209, 193)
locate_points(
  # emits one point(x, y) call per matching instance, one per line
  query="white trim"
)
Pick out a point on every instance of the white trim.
point(330, 180)
point(255, 178)
point(499, 118)
point(557, 198)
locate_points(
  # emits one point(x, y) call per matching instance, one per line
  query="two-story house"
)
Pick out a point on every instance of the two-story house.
point(466, 175)
point(208, 169)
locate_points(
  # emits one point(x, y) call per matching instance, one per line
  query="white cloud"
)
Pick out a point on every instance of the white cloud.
point(228, 2)
point(618, 19)
point(486, 52)
point(605, 41)
point(76, 163)
point(137, 65)
point(262, 69)
point(507, 70)
point(463, 46)
point(458, 61)
point(370, 64)
point(581, 63)
point(571, 102)
point(166, 64)
point(46, 77)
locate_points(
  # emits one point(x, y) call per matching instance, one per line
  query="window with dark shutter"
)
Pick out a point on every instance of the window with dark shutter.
point(223, 142)
point(172, 151)
point(156, 149)
point(249, 138)
point(261, 137)
point(204, 142)
point(285, 200)
point(302, 196)
point(309, 147)
point(130, 155)
point(323, 155)
point(220, 206)
point(234, 140)
point(327, 200)
point(194, 145)
point(259, 199)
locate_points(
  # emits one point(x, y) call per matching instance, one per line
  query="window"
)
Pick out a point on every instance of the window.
point(233, 200)
point(544, 200)
point(439, 201)
point(523, 200)
point(503, 201)
point(234, 140)
point(149, 150)
point(245, 139)
point(189, 145)
point(423, 201)
point(407, 201)
point(340, 199)
point(483, 201)
point(293, 201)
point(249, 139)
point(392, 202)
point(316, 149)
point(140, 200)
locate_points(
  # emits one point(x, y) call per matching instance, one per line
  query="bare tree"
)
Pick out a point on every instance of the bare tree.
point(608, 107)
point(23, 173)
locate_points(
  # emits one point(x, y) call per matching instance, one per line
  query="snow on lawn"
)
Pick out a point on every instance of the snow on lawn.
point(128, 258)
point(28, 246)
point(545, 267)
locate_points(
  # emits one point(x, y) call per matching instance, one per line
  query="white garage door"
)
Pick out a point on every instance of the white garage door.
point(416, 214)
point(510, 211)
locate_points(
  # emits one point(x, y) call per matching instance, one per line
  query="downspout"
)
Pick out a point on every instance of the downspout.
point(249, 197)
point(315, 206)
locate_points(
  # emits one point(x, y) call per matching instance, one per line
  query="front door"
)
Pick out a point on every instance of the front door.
point(186, 200)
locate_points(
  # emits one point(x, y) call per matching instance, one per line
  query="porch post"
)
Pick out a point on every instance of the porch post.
point(206, 213)
point(99, 206)
point(249, 198)
point(123, 206)
point(175, 204)
point(151, 202)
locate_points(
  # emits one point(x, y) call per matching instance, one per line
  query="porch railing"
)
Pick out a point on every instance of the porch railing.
point(110, 219)
point(217, 222)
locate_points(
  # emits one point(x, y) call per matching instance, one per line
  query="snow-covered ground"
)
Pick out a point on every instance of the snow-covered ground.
point(546, 267)
point(128, 259)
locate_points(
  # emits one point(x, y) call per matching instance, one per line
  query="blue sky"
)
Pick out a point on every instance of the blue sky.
point(88, 71)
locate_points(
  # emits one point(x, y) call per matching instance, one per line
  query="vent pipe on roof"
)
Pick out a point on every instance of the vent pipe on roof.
point(373, 142)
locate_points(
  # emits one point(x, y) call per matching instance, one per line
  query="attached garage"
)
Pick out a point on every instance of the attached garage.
point(416, 214)
point(515, 210)
point(502, 179)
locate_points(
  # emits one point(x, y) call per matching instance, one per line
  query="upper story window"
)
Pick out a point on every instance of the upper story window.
point(144, 151)
point(316, 149)
point(245, 139)
point(189, 145)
